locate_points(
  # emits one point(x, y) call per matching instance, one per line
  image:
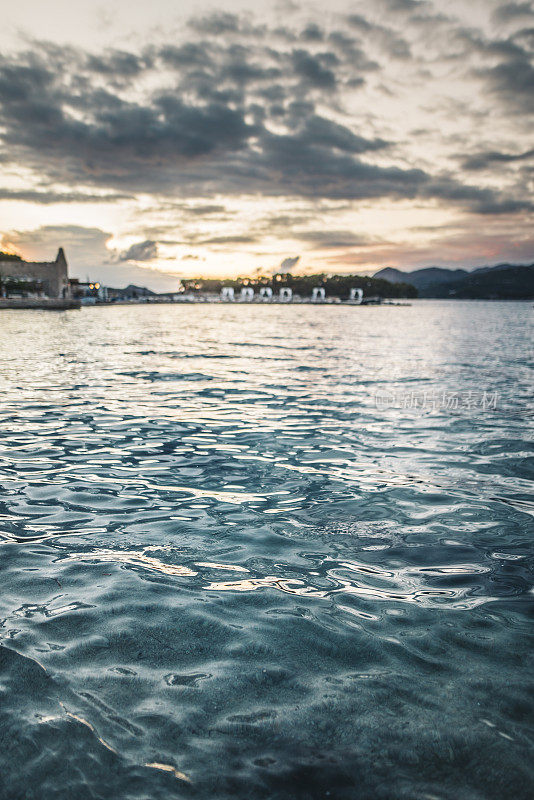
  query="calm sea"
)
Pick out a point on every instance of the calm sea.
point(266, 552)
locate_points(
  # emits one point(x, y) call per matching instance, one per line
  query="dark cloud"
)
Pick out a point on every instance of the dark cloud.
point(312, 33)
point(405, 5)
point(353, 52)
point(508, 68)
point(231, 112)
point(326, 240)
point(48, 197)
point(205, 210)
point(315, 70)
point(140, 251)
point(322, 132)
point(285, 222)
point(390, 41)
point(191, 54)
point(68, 235)
point(36, 105)
point(487, 159)
point(289, 263)
point(513, 11)
point(479, 200)
point(232, 239)
point(117, 63)
point(504, 206)
point(163, 143)
point(513, 81)
point(225, 24)
point(217, 23)
point(301, 166)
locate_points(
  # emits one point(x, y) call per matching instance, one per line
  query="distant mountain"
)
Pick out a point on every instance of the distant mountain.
point(131, 291)
point(422, 278)
point(506, 281)
point(496, 267)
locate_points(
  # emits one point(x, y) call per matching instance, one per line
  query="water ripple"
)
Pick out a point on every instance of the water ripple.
point(228, 572)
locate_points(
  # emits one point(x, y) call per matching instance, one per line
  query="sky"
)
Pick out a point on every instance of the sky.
point(161, 140)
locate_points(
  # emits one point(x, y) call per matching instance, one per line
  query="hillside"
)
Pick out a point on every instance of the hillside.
point(422, 279)
point(509, 283)
point(131, 291)
point(502, 281)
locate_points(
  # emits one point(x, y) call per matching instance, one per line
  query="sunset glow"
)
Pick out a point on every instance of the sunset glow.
point(153, 144)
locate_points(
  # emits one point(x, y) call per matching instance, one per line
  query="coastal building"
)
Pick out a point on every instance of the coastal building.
point(247, 294)
point(129, 293)
point(51, 276)
point(318, 294)
point(286, 295)
point(88, 293)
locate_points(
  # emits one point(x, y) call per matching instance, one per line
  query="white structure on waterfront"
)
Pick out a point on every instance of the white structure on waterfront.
point(285, 295)
point(247, 294)
point(318, 294)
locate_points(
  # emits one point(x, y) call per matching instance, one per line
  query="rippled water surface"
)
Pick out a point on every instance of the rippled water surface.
point(228, 571)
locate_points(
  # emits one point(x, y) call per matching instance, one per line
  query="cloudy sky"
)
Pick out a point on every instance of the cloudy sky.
point(166, 139)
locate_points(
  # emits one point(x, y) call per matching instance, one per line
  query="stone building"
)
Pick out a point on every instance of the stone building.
point(52, 275)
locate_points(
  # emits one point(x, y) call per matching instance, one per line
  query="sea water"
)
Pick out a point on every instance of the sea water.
point(266, 552)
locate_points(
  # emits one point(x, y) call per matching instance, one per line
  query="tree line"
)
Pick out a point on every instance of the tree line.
point(334, 285)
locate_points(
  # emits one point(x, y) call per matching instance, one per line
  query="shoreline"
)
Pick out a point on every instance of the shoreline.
point(40, 303)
